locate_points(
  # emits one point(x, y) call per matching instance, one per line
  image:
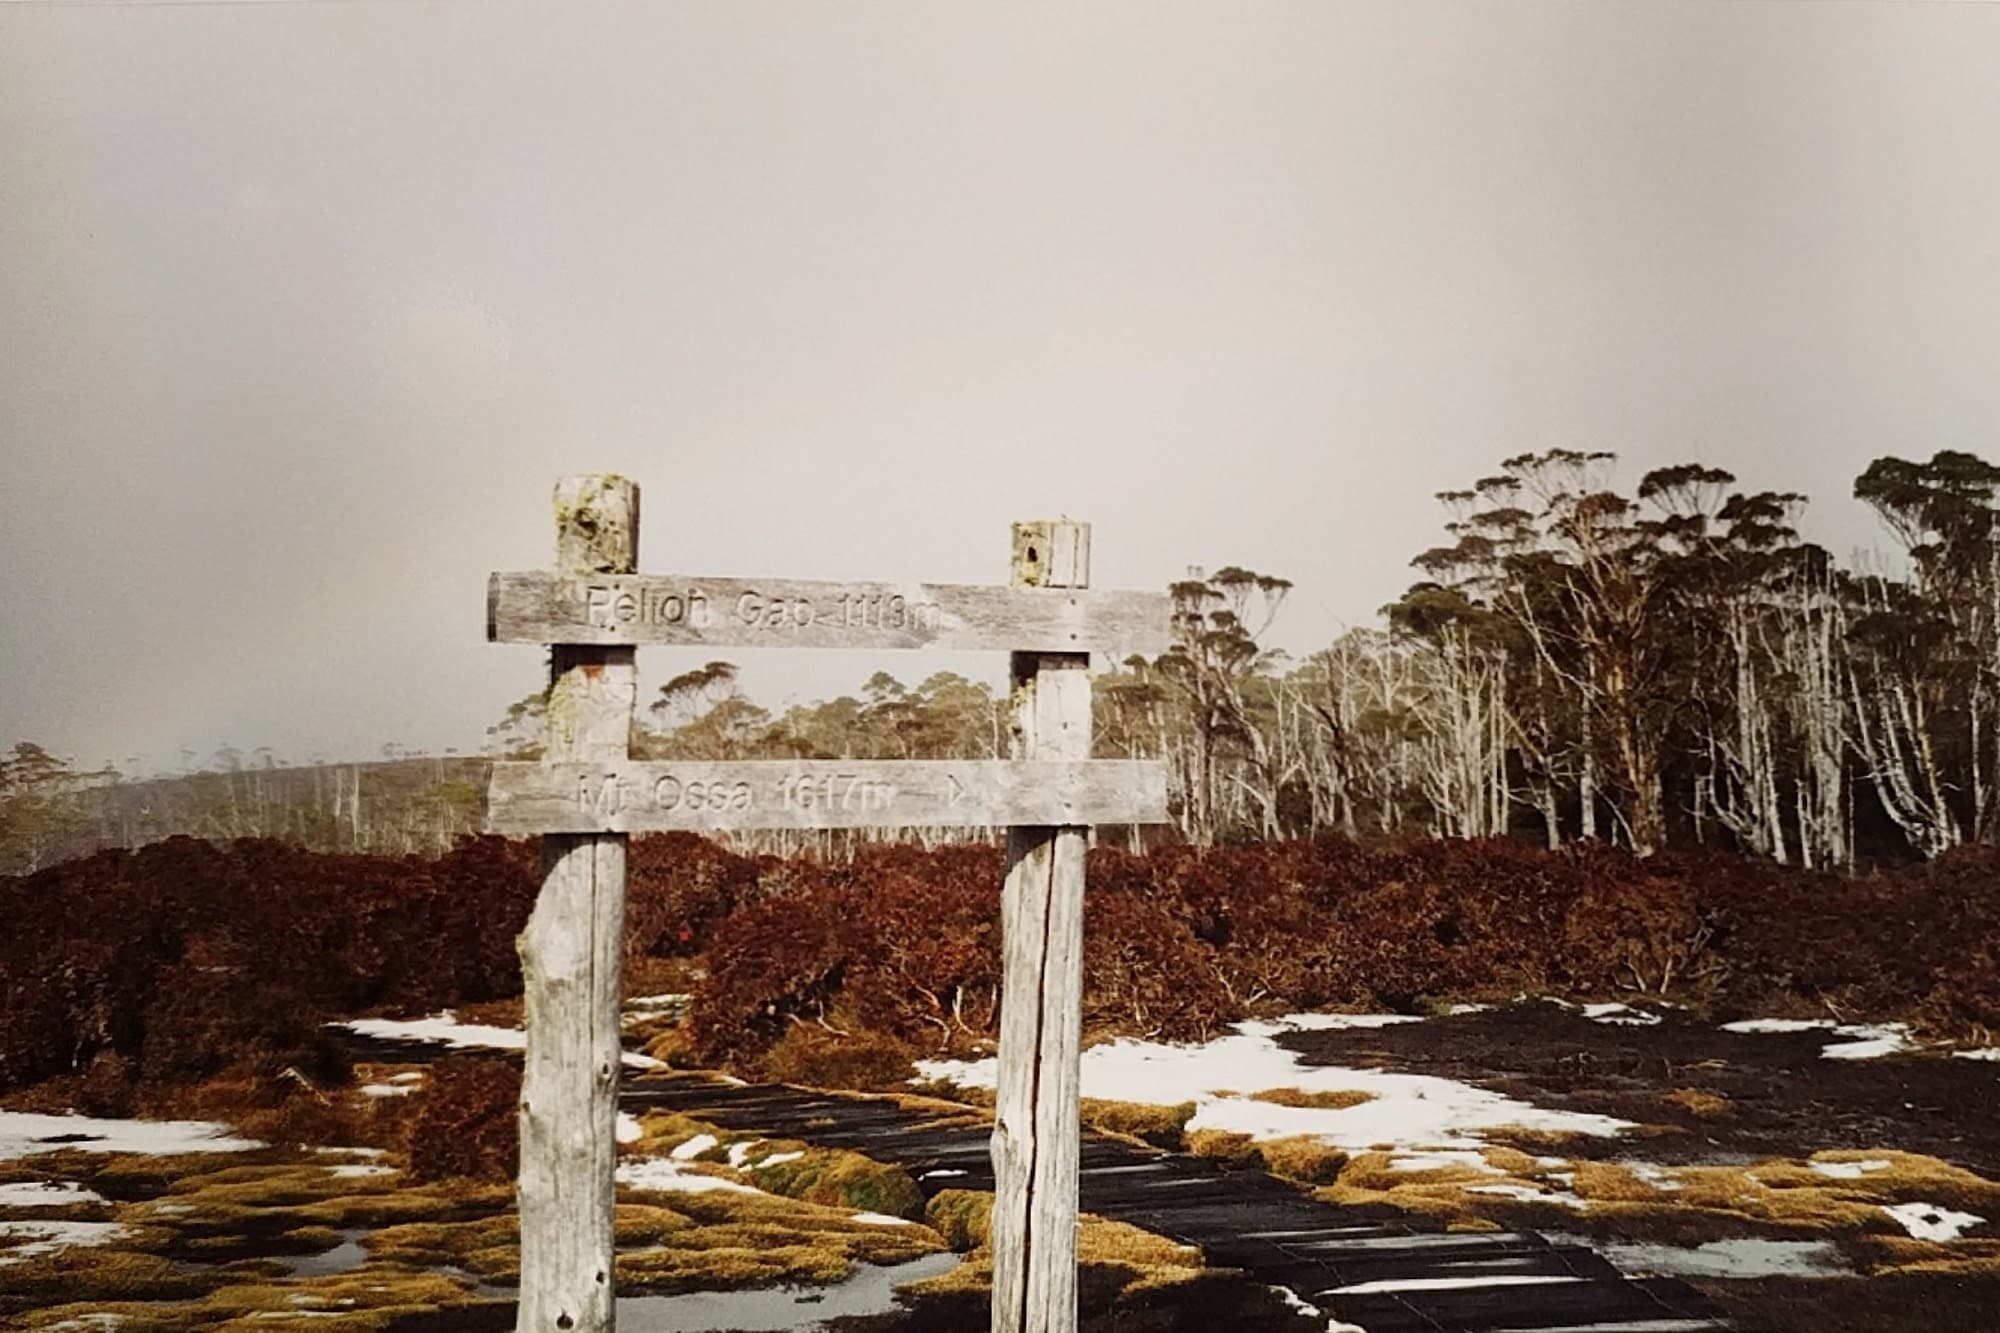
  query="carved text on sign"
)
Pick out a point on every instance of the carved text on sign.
point(636, 796)
point(610, 605)
point(628, 609)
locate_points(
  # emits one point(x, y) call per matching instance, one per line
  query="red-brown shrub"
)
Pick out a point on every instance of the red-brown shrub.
point(468, 1123)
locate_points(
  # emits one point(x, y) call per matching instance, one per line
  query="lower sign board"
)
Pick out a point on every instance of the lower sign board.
point(659, 796)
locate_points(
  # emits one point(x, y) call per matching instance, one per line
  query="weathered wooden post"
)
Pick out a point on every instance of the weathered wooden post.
point(588, 793)
point(572, 956)
point(1036, 1132)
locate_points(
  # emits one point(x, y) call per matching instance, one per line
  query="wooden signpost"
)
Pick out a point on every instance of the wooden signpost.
point(588, 795)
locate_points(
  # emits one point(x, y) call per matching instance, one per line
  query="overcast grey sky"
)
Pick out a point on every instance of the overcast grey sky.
point(304, 306)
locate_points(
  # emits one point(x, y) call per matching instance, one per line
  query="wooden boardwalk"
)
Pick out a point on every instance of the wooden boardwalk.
point(1367, 1267)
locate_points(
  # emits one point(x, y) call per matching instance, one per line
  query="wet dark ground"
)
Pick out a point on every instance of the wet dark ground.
point(1784, 1097)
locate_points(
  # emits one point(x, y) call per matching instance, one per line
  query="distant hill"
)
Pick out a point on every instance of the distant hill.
point(419, 805)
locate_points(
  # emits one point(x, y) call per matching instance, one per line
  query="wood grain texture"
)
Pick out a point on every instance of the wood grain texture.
point(664, 795)
point(572, 954)
point(1036, 1136)
point(538, 607)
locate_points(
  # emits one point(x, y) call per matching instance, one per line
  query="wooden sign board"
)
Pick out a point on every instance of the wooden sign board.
point(542, 607)
point(657, 796)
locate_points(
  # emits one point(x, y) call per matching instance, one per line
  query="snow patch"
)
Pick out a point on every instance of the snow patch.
point(881, 1220)
point(1866, 1040)
point(1437, 1161)
point(387, 1089)
point(777, 1159)
point(1529, 1194)
point(1849, 1170)
point(24, 1132)
point(1755, 1025)
point(629, 1130)
point(49, 1237)
point(667, 1176)
point(1928, 1221)
point(694, 1147)
point(1980, 1053)
point(46, 1194)
point(1871, 1041)
point(444, 1029)
point(1623, 1015)
point(1408, 1110)
point(352, 1170)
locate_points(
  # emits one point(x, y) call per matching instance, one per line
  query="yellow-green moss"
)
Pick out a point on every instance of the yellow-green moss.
point(1158, 1126)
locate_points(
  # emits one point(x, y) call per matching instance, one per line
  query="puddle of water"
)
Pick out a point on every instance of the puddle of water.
point(1746, 1257)
point(777, 1309)
point(345, 1257)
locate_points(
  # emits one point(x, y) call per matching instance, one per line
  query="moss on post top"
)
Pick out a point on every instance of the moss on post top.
point(597, 525)
point(1051, 554)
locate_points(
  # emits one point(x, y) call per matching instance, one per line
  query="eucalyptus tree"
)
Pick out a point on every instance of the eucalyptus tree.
point(1216, 656)
point(1925, 670)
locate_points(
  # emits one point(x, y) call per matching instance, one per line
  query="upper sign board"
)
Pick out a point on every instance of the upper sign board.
point(534, 607)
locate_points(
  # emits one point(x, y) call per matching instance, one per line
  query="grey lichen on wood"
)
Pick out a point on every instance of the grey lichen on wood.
point(572, 955)
point(597, 525)
point(1036, 1142)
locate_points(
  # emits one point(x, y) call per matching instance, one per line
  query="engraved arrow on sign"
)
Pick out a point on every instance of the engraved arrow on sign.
point(954, 791)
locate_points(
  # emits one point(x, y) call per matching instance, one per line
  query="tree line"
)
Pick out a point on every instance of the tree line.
point(1669, 665)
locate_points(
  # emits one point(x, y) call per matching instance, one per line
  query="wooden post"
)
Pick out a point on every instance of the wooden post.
point(572, 953)
point(1035, 1126)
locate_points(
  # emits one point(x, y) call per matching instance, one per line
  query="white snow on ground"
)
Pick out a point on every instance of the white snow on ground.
point(1409, 1110)
point(942, 1173)
point(1311, 1311)
point(355, 1169)
point(778, 1159)
point(628, 1128)
point(694, 1147)
point(444, 1028)
point(388, 1089)
point(1981, 1053)
point(46, 1194)
point(441, 1027)
point(1323, 1023)
point(1927, 1221)
point(1871, 1041)
point(668, 1176)
point(1529, 1194)
point(22, 1133)
point(1432, 1161)
point(48, 1237)
point(1849, 1170)
point(1655, 1176)
point(1777, 1024)
point(1867, 1040)
point(1623, 1015)
point(881, 1220)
